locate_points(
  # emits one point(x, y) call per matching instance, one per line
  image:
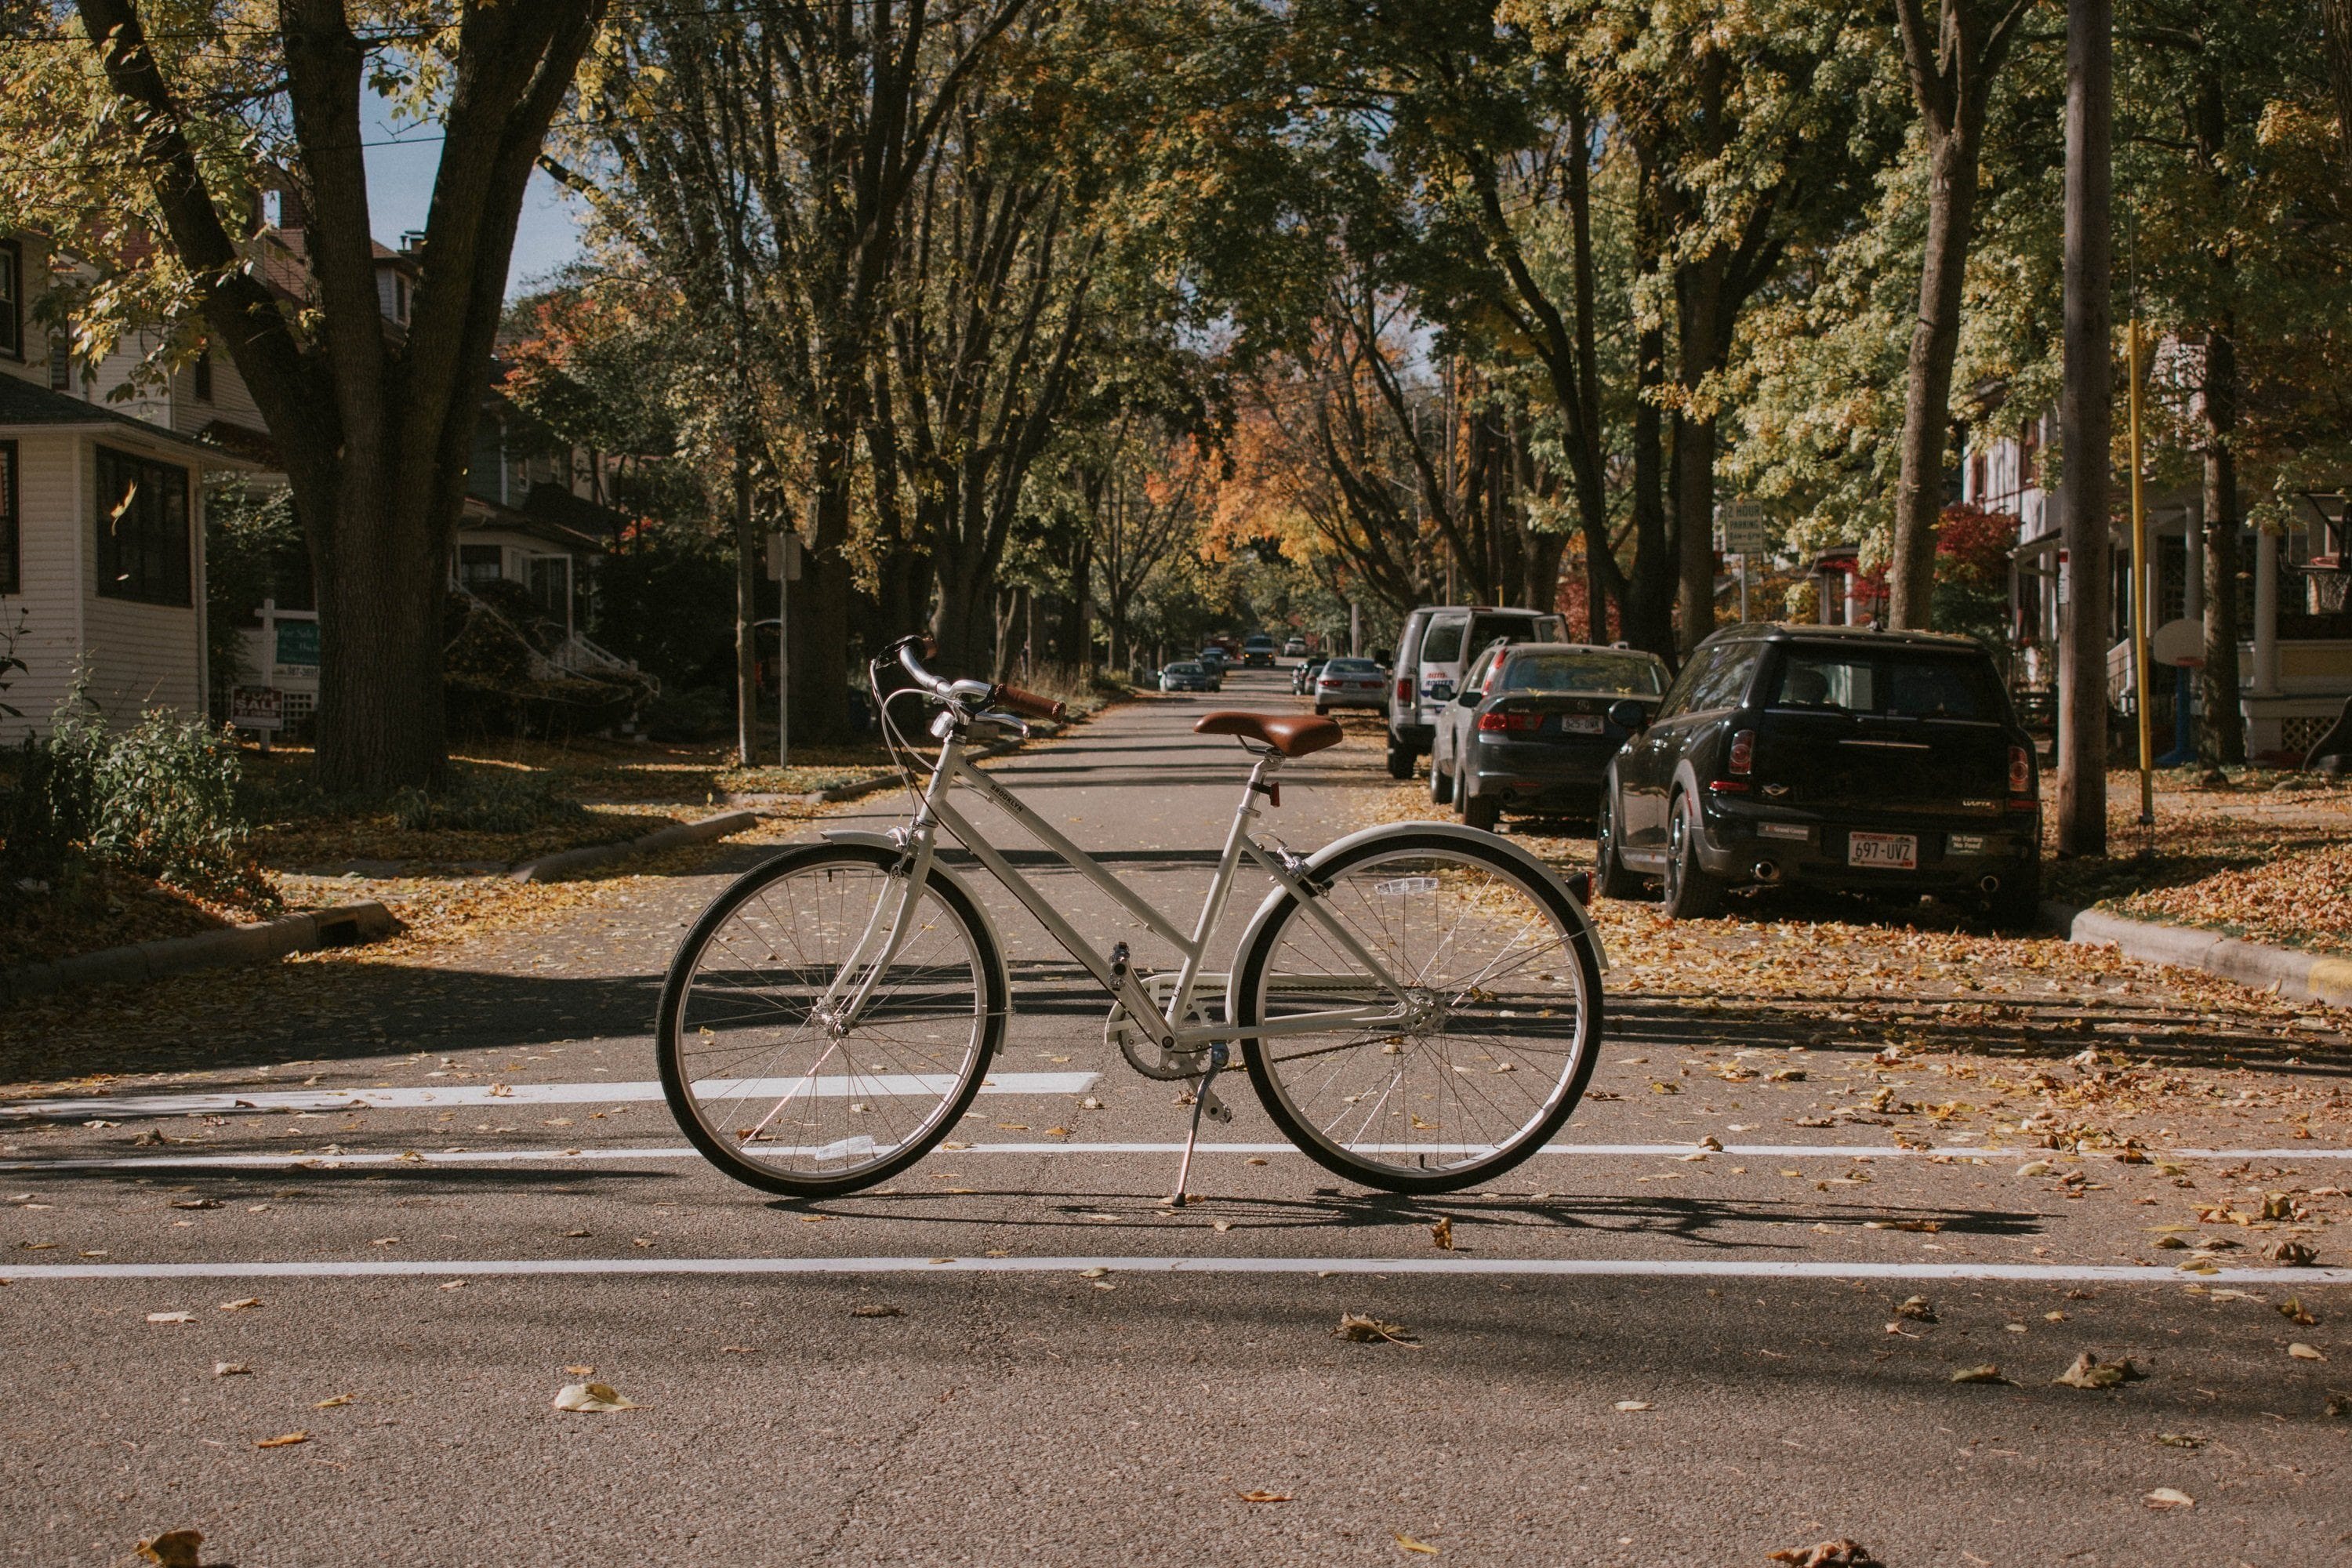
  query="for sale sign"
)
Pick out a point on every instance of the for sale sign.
point(260, 708)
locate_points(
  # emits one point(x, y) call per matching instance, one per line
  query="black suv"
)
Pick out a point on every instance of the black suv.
point(1838, 756)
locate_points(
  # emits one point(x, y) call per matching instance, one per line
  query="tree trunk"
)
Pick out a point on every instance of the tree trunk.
point(1952, 158)
point(2087, 415)
point(382, 572)
point(2222, 735)
point(1695, 527)
point(1647, 606)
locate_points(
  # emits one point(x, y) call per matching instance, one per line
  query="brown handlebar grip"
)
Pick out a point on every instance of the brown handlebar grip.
point(1028, 702)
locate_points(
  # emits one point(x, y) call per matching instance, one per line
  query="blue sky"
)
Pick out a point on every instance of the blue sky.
point(400, 190)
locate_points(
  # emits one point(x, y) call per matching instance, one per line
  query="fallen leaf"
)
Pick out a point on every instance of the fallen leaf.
point(1266, 1497)
point(1711, 1142)
point(1358, 1329)
point(1095, 1272)
point(170, 1317)
point(1918, 1308)
point(173, 1549)
point(581, 1371)
point(2164, 1498)
point(241, 1304)
point(1442, 1233)
point(1410, 1544)
point(231, 1369)
point(2294, 1310)
point(2171, 1242)
point(501, 1091)
point(287, 1441)
point(2088, 1372)
point(1630, 1405)
point(1988, 1372)
point(2293, 1254)
point(1841, 1552)
point(331, 1402)
point(2179, 1440)
point(453, 1285)
point(2034, 1168)
point(876, 1310)
point(194, 1204)
point(592, 1398)
point(2302, 1352)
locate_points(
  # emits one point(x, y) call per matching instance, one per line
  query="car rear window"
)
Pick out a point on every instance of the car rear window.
point(1352, 666)
point(1583, 672)
point(1894, 682)
point(1442, 643)
point(1183, 669)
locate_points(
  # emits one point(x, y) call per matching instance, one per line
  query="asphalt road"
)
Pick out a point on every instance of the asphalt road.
point(440, 1205)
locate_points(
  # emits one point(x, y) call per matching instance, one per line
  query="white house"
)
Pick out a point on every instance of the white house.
point(101, 531)
point(2296, 663)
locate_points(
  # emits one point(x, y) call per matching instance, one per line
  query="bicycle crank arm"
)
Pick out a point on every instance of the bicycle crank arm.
point(1143, 1015)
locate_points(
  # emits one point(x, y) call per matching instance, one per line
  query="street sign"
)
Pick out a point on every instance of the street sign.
point(1739, 527)
point(785, 557)
point(258, 707)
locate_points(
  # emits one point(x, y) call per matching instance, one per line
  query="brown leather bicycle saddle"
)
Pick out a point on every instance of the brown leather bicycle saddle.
point(1292, 734)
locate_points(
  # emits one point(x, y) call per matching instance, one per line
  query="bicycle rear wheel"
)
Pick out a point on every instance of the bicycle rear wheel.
point(770, 1069)
point(1507, 995)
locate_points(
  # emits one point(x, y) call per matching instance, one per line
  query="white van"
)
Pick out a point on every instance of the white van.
point(1437, 640)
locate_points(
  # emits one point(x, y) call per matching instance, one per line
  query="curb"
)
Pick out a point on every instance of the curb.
point(549, 868)
point(346, 925)
point(2304, 976)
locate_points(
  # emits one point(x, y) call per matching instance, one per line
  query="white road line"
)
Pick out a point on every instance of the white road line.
point(685, 1151)
point(1685, 1268)
point(877, 1084)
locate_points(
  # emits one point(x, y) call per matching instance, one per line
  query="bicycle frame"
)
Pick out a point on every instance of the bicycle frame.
point(919, 841)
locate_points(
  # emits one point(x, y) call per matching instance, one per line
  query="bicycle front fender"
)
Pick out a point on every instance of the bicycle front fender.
point(987, 920)
point(1337, 846)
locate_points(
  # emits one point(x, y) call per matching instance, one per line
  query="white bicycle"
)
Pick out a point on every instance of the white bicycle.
point(1418, 1005)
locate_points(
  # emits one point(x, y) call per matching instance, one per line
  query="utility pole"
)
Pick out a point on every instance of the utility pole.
point(2088, 418)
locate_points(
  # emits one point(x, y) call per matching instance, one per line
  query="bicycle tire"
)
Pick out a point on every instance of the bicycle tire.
point(988, 993)
point(1299, 1122)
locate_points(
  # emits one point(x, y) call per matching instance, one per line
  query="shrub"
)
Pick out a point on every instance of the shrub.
point(697, 713)
point(159, 799)
point(486, 803)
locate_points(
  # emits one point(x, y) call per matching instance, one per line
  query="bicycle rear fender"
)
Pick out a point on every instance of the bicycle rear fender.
point(987, 920)
point(1537, 868)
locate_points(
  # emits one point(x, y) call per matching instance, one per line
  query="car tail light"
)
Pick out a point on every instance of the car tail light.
point(1501, 718)
point(1743, 751)
point(2020, 770)
point(1404, 688)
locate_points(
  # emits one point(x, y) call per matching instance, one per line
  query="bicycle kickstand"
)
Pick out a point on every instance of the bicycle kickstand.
point(1218, 1055)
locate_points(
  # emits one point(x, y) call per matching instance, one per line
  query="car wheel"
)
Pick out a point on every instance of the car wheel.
point(1400, 761)
point(1441, 782)
point(1482, 812)
point(1610, 875)
point(1322, 711)
point(1691, 893)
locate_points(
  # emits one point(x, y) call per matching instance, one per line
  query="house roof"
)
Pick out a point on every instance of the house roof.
point(534, 522)
point(24, 406)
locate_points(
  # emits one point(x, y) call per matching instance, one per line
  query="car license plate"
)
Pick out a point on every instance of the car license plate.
point(1894, 851)
point(1579, 723)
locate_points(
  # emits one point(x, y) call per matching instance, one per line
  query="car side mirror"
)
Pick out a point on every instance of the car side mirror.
point(1628, 714)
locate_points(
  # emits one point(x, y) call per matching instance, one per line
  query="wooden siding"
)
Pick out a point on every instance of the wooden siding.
point(49, 504)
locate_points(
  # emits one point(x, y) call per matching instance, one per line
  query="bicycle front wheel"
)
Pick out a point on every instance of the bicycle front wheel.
point(1483, 1057)
point(802, 1053)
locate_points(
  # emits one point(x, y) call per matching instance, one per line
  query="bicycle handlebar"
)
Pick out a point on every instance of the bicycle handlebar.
point(1007, 697)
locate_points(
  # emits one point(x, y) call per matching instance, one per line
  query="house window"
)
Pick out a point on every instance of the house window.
point(2028, 446)
point(481, 564)
point(12, 299)
point(203, 375)
point(9, 580)
point(551, 585)
point(60, 362)
point(143, 529)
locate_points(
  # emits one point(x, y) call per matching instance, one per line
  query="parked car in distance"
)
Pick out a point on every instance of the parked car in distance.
point(1303, 674)
point(1188, 675)
point(1294, 649)
point(1257, 652)
point(1530, 729)
point(1429, 652)
point(1835, 756)
point(1350, 683)
point(1216, 659)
